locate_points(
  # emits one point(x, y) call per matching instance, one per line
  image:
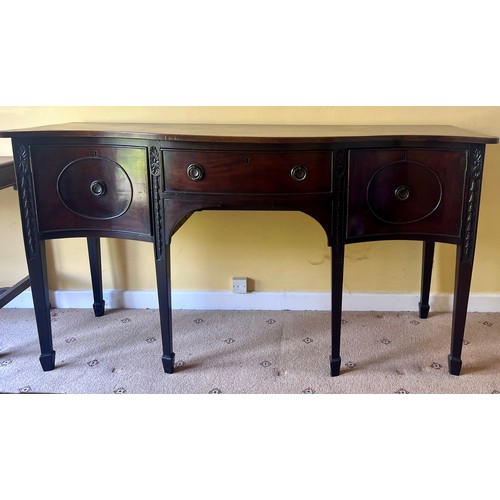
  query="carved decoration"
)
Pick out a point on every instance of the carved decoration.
point(26, 197)
point(477, 163)
point(340, 162)
point(474, 174)
point(154, 163)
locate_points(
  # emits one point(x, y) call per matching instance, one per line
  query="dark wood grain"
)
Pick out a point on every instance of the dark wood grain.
point(143, 181)
point(64, 175)
point(255, 134)
point(248, 172)
point(435, 180)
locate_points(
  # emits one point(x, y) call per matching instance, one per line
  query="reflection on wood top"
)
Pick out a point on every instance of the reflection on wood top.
point(256, 133)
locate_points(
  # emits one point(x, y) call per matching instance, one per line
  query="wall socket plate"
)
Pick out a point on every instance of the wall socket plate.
point(240, 285)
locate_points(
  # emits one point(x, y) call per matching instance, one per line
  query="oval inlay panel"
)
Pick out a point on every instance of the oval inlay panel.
point(404, 192)
point(77, 190)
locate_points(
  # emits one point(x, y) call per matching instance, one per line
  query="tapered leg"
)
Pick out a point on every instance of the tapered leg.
point(37, 268)
point(463, 275)
point(427, 260)
point(94, 247)
point(165, 304)
point(337, 288)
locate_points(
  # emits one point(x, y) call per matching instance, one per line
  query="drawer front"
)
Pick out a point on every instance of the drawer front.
point(91, 187)
point(405, 191)
point(252, 172)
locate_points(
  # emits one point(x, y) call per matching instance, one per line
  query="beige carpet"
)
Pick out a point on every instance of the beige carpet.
point(253, 352)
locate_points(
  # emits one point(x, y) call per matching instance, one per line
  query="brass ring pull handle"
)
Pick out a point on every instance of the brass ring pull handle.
point(98, 188)
point(402, 193)
point(195, 172)
point(299, 173)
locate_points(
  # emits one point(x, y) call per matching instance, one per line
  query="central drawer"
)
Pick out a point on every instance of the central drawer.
point(253, 172)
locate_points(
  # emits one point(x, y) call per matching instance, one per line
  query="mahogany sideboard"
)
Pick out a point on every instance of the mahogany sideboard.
point(143, 181)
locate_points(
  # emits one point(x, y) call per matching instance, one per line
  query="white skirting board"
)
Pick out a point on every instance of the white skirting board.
point(226, 300)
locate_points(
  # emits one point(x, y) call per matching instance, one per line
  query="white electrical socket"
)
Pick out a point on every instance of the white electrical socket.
point(240, 285)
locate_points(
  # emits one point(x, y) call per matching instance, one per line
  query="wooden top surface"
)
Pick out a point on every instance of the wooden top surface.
point(255, 133)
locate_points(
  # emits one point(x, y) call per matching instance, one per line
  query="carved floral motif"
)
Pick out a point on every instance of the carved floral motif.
point(475, 171)
point(154, 162)
point(27, 204)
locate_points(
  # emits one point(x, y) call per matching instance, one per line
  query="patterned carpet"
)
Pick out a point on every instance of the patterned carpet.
point(248, 352)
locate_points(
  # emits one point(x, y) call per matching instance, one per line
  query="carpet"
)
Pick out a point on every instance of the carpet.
point(248, 352)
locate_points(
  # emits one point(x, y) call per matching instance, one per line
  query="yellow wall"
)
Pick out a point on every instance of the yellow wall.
point(279, 251)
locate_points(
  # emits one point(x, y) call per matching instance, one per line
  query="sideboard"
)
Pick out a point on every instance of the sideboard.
point(143, 181)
